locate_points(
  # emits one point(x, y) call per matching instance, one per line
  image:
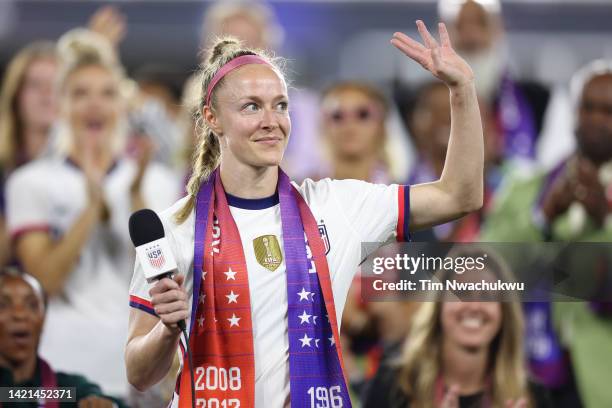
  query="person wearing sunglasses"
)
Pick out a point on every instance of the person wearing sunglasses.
point(353, 127)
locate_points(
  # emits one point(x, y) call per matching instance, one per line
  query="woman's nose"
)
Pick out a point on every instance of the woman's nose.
point(269, 119)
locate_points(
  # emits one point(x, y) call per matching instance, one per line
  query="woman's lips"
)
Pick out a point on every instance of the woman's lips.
point(95, 125)
point(269, 140)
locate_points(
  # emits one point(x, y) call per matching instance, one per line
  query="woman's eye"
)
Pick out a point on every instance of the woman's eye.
point(110, 93)
point(250, 107)
point(79, 92)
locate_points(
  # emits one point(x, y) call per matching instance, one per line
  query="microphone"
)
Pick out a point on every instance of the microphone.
point(152, 247)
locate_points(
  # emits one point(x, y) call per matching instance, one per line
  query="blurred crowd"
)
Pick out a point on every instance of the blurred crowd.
point(83, 145)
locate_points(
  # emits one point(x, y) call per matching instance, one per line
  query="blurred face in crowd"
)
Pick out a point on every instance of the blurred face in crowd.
point(476, 35)
point(21, 320)
point(246, 28)
point(36, 99)
point(431, 121)
point(92, 106)
point(353, 124)
point(475, 29)
point(470, 325)
point(594, 127)
point(251, 116)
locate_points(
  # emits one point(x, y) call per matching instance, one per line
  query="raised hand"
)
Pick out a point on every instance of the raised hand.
point(109, 22)
point(439, 59)
point(451, 398)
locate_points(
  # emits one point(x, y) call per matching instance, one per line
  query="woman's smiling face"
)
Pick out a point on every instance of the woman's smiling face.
point(251, 116)
point(92, 106)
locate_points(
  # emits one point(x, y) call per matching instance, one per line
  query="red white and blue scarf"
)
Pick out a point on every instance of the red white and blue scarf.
point(221, 333)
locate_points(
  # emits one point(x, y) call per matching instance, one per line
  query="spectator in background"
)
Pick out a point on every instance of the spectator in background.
point(571, 203)
point(461, 354)
point(354, 133)
point(519, 106)
point(255, 24)
point(27, 104)
point(22, 316)
point(428, 119)
point(27, 111)
point(68, 215)
point(353, 127)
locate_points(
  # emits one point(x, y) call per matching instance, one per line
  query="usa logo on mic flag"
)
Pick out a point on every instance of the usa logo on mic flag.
point(156, 257)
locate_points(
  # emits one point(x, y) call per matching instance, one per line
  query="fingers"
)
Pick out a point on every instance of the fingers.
point(109, 22)
point(168, 308)
point(428, 39)
point(170, 300)
point(403, 38)
point(444, 37)
point(170, 296)
point(164, 285)
point(171, 319)
point(418, 56)
point(430, 57)
point(451, 399)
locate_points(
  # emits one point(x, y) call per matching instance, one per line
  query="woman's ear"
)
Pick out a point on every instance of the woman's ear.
point(212, 120)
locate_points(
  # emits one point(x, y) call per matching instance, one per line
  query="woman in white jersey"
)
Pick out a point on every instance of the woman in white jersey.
point(270, 262)
point(67, 216)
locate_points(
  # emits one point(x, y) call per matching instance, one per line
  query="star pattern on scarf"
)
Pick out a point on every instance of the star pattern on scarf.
point(232, 297)
point(230, 274)
point(303, 294)
point(305, 317)
point(306, 340)
point(234, 320)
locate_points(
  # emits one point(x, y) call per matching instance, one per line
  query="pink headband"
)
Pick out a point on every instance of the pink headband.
point(230, 66)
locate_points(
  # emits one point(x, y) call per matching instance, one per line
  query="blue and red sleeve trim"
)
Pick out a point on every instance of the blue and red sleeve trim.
point(142, 304)
point(403, 219)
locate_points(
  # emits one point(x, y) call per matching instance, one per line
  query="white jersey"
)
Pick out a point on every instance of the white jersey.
point(348, 213)
point(86, 324)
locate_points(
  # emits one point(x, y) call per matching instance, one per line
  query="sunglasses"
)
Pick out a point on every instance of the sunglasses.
point(359, 114)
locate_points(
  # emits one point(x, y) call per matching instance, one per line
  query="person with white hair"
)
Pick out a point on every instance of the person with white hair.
point(256, 25)
point(477, 27)
point(570, 203)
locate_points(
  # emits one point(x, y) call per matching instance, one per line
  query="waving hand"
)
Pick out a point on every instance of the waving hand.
point(439, 59)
